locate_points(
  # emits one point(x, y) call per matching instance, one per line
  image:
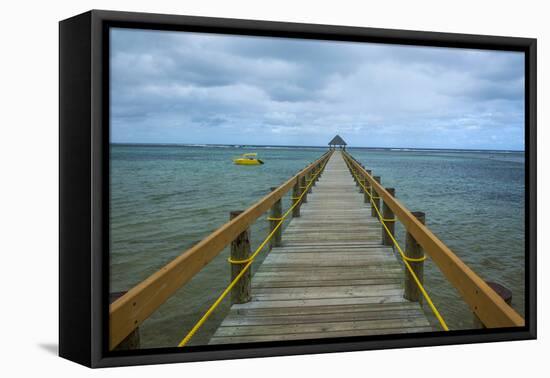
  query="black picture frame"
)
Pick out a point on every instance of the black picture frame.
point(84, 189)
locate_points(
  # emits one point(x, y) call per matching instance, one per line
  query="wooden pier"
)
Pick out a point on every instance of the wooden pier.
point(332, 277)
point(336, 270)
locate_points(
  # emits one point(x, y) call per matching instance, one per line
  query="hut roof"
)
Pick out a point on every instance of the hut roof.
point(337, 141)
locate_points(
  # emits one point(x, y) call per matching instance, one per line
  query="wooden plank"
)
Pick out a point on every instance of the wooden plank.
point(326, 309)
point(328, 235)
point(355, 228)
point(303, 302)
point(315, 255)
point(326, 263)
point(319, 335)
point(314, 275)
point(306, 268)
point(259, 284)
point(275, 294)
point(330, 251)
point(240, 321)
point(343, 271)
point(130, 310)
point(491, 309)
point(320, 327)
point(339, 243)
point(337, 248)
point(329, 269)
point(307, 248)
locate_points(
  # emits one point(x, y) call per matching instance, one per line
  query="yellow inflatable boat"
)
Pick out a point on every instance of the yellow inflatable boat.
point(248, 159)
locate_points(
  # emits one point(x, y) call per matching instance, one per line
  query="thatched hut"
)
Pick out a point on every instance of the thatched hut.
point(337, 141)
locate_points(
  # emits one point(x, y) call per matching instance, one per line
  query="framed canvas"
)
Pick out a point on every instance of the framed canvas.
point(234, 188)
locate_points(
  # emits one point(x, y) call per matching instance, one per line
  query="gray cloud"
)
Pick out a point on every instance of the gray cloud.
point(204, 88)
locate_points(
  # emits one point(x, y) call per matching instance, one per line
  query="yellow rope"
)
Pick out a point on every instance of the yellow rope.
point(274, 219)
point(227, 290)
point(248, 263)
point(419, 259)
point(407, 265)
point(238, 262)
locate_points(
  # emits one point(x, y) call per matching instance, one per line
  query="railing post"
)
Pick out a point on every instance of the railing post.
point(375, 198)
point(295, 196)
point(275, 214)
point(318, 171)
point(503, 292)
point(240, 250)
point(368, 187)
point(132, 341)
point(413, 250)
point(303, 184)
point(389, 220)
point(308, 181)
point(362, 181)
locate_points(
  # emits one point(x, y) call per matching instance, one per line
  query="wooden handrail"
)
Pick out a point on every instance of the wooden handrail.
point(134, 307)
point(491, 309)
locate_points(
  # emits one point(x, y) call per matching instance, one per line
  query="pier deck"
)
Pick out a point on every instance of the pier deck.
point(332, 277)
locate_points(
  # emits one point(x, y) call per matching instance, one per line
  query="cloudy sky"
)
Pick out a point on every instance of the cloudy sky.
point(176, 87)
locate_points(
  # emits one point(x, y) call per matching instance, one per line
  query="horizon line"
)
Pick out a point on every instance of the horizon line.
point(305, 146)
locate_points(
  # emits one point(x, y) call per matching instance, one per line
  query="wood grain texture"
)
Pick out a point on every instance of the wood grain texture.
point(240, 250)
point(331, 276)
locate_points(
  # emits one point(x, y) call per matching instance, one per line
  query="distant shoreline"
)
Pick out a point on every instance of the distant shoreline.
point(395, 149)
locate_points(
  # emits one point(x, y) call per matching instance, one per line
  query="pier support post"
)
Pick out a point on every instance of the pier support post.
point(240, 250)
point(319, 171)
point(375, 198)
point(313, 175)
point(368, 188)
point(503, 292)
point(389, 220)
point(413, 250)
point(295, 196)
point(132, 341)
point(309, 178)
point(275, 214)
point(303, 184)
point(361, 182)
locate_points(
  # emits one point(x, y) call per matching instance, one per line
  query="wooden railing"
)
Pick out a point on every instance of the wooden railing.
point(135, 306)
point(486, 304)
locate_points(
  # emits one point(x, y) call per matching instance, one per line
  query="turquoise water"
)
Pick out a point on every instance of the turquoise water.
point(164, 199)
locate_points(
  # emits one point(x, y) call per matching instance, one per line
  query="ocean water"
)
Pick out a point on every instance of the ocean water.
point(164, 199)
